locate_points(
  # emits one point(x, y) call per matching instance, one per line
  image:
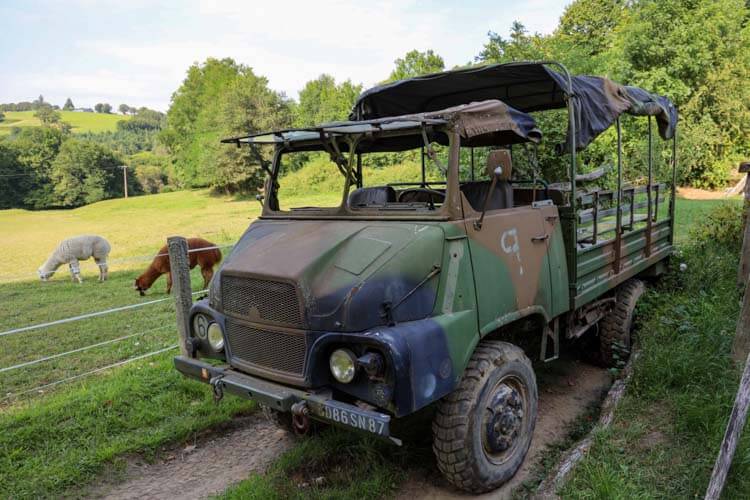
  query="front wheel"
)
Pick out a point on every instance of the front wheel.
point(483, 429)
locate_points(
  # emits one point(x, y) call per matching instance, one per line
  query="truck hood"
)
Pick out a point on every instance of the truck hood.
point(347, 274)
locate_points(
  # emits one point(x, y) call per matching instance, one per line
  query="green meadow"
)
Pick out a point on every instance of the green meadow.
point(80, 122)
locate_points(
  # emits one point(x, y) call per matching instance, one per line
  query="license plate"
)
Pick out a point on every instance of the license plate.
point(354, 417)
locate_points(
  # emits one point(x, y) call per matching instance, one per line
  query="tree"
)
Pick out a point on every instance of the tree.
point(39, 103)
point(416, 63)
point(585, 36)
point(35, 150)
point(698, 54)
point(14, 178)
point(48, 116)
point(144, 119)
point(519, 47)
point(84, 172)
point(2, 116)
point(124, 109)
point(321, 100)
point(103, 108)
point(220, 98)
point(68, 106)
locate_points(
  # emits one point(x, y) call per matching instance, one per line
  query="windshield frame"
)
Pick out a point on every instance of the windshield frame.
point(449, 210)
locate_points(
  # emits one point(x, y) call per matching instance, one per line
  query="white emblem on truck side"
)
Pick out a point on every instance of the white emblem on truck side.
point(509, 244)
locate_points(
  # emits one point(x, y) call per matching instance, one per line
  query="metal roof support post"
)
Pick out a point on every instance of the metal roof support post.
point(472, 163)
point(359, 170)
point(649, 192)
point(423, 168)
point(573, 253)
point(618, 223)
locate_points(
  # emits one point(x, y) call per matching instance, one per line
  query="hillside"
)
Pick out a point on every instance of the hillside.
point(81, 122)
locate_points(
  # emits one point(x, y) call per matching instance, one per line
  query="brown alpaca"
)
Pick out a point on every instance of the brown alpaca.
point(206, 259)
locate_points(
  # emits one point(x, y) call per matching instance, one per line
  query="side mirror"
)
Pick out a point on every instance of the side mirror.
point(260, 198)
point(497, 173)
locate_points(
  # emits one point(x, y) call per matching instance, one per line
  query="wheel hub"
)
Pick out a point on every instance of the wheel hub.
point(503, 419)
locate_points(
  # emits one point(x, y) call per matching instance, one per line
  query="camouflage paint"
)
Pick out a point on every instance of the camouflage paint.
point(421, 289)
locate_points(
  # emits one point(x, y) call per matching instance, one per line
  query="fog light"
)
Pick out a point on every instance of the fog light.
point(200, 325)
point(343, 365)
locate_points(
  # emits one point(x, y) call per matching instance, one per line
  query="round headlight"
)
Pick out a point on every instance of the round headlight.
point(200, 325)
point(343, 365)
point(215, 337)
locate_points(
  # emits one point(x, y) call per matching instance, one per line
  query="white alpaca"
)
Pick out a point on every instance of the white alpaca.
point(72, 250)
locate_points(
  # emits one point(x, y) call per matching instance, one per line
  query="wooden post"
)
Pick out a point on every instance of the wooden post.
point(732, 436)
point(125, 179)
point(179, 266)
point(744, 268)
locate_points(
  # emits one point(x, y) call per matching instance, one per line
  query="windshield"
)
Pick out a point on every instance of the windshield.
point(381, 182)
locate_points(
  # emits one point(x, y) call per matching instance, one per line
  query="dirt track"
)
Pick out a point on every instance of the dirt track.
point(203, 469)
point(567, 388)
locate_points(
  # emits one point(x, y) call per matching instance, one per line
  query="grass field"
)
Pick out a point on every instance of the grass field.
point(80, 122)
point(62, 438)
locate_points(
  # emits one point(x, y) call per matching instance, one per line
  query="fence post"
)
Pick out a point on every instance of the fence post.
point(744, 268)
point(179, 266)
point(731, 437)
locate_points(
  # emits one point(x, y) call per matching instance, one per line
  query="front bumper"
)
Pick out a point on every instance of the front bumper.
point(321, 405)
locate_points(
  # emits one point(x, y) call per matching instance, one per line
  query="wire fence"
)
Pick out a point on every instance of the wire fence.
point(132, 310)
point(86, 374)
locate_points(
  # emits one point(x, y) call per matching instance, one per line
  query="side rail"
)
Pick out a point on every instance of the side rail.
point(614, 242)
point(597, 215)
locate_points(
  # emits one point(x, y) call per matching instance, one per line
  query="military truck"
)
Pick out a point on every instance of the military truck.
point(370, 304)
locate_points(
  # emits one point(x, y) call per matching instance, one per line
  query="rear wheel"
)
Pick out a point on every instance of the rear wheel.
point(483, 429)
point(615, 327)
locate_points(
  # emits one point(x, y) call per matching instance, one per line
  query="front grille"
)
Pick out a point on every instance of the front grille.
point(261, 300)
point(281, 351)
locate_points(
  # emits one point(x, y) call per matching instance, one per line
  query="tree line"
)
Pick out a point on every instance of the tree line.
point(48, 166)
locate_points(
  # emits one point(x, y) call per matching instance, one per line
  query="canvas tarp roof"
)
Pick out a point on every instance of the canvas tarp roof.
point(527, 87)
point(485, 123)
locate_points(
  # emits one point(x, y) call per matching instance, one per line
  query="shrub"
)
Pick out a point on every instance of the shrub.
point(722, 226)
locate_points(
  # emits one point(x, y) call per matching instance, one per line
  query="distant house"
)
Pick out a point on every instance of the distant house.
point(83, 110)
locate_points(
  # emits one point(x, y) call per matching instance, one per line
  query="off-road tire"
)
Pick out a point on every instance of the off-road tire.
point(615, 327)
point(458, 427)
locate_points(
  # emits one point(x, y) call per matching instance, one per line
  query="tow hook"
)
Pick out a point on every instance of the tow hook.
point(218, 387)
point(301, 418)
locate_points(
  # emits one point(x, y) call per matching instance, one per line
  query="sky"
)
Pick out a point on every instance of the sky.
point(138, 51)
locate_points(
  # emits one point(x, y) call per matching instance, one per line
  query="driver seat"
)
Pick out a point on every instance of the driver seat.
point(502, 195)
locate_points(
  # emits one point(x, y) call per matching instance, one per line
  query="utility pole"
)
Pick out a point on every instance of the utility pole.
point(125, 178)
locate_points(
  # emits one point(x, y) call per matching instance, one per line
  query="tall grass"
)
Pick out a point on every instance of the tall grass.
point(667, 432)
